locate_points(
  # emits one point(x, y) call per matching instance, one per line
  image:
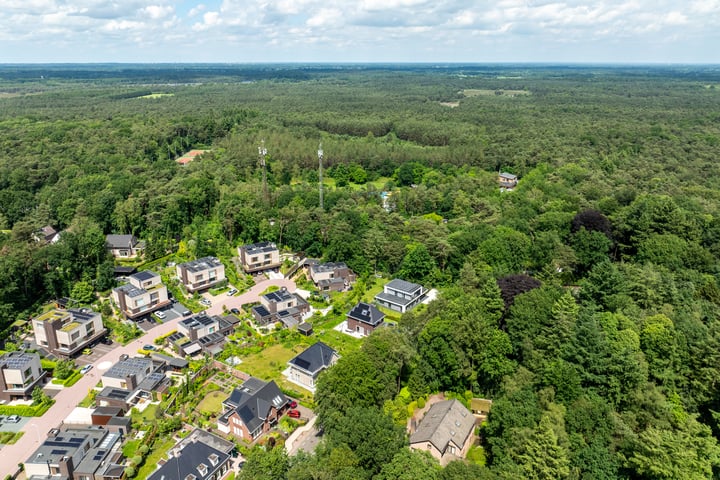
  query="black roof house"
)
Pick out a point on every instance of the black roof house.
point(315, 358)
point(253, 402)
point(367, 313)
point(195, 460)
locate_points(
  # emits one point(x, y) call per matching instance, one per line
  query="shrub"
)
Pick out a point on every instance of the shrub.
point(421, 402)
point(129, 472)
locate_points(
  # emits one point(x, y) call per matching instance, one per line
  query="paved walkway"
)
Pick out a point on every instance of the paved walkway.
point(36, 429)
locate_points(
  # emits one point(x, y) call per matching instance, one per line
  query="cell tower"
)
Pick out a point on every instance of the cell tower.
point(320, 159)
point(262, 151)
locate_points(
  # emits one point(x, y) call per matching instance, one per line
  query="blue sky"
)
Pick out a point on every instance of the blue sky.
point(239, 31)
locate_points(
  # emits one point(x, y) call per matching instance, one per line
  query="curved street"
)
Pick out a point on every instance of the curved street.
point(67, 399)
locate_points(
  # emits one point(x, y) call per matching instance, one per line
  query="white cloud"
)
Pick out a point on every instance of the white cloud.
point(156, 12)
point(325, 17)
point(196, 10)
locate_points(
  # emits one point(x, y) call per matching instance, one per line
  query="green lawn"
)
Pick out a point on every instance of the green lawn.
point(9, 438)
point(212, 403)
point(270, 362)
point(159, 450)
point(339, 341)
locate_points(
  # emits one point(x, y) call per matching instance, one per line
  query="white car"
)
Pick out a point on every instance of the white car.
point(160, 315)
point(86, 369)
point(206, 302)
point(232, 292)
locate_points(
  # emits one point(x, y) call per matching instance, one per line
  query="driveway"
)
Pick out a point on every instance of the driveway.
point(67, 399)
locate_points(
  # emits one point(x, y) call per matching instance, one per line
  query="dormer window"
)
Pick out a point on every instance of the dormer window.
point(190, 477)
point(214, 459)
point(203, 469)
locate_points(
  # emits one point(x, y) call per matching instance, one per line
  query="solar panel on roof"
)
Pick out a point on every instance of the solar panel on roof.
point(58, 452)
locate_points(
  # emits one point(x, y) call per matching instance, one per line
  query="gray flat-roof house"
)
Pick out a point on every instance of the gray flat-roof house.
point(66, 332)
point(280, 306)
point(20, 373)
point(257, 257)
point(124, 246)
point(199, 456)
point(364, 318)
point(400, 295)
point(446, 431)
point(77, 453)
point(252, 409)
point(201, 274)
point(202, 324)
point(332, 276)
point(305, 367)
point(144, 294)
point(130, 380)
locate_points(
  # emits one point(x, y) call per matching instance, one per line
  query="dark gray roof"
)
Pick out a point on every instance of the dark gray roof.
point(198, 321)
point(445, 421)
point(231, 319)
point(130, 290)
point(201, 264)
point(177, 336)
point(314, 358)
point(120, 241)
point(172, 361)
point(211, 339)
point(261, 311)
point(69, 443)
point(111, 411)
point(508, 176)
point(254, 400)
point(403, 286)
point(114, 393)
point(367, 313)
point(277, 296)
point(305, 327)
point(82, 315)
point(260, 247)
point(386, 297)
point(144, 276)
point(328, 267)
point(138, 366)
point(200, 435)
point(192, 455)
point(18, 360)
point(152, 381)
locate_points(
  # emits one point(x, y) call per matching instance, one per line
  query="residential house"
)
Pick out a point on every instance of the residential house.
point(77, 454)
point(20, 373)
point(199, 456)
point(280, 306)
point(446, 431)
point(66, 332)
point(124, 246)
point(331, 277)
point(305, 367)
point(201, 274)
point(144, 294)
point(364, 318)
point(203, 333)
point(400, 295)
point(132, 380)
point(507, 181)
point(252, 409)
point(47, 235)
point(258, 257)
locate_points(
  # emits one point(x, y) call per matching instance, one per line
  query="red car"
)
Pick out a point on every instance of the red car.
point(293, 404)
point(293, 414)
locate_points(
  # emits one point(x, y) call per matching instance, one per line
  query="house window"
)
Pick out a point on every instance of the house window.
point(451, 449)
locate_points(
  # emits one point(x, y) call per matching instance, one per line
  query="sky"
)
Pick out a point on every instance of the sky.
point(269, 31)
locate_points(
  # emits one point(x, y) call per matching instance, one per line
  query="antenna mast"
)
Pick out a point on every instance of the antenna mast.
point(320, 166)
point(262, 151)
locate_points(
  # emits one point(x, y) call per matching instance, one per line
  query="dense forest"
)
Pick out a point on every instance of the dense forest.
point(585, 302)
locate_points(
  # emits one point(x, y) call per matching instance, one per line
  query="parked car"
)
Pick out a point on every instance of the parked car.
point(12, 419)
point(87, 351)
point(232, 292)
point(107, 340)
point(206, 302)
point(235, 311)
point(148, 347)
point(293, 404)
point(86, 369)
point(293, 413)
point(186, 312)
point(160, 315)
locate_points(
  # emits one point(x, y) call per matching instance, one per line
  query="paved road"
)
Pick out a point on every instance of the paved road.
point(67, 399)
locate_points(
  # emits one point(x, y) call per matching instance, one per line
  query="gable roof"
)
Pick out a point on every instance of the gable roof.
point(367, 313)
point(120, 241)
point(254, 400)
point(315, 358)
point(444, 422)
point(190, 457)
